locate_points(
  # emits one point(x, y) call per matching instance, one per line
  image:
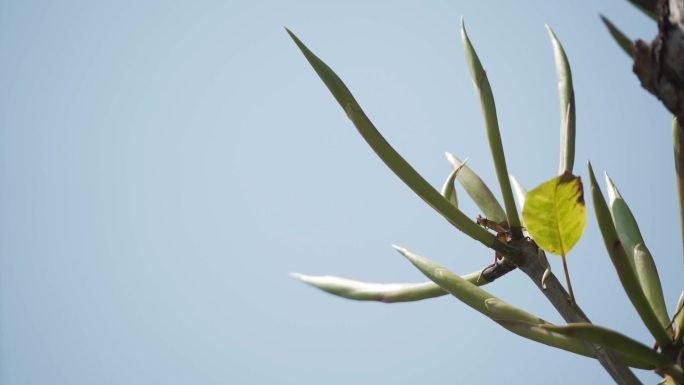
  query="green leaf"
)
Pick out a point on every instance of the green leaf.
point(465, 291)
point(394, 161)
point(648, 7)
point(566, 96)
point(620, 38)
point(520, 192)
point(555, 214)
point(543, 334)
point(638, 255)
point(479, 192)
point(678, 318)
point(449, 190)
point(510, 317)
point(484, 90)
point(608, 338)
point(624, 269)
point(382, 292)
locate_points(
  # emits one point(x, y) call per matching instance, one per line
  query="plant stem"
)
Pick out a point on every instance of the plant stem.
point(556, 294)
point(567, 279)
point(679, 168)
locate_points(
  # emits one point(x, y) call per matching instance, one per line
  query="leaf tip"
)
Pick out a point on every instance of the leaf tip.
point(552, 34)
point(292, 35)
point(613, 192)
point(399, 249)
point(592, 177)
point(309, 280)
point(464, 33)
point(413, 258)
point(296, 276)
point(453, 160)
point(299, 44)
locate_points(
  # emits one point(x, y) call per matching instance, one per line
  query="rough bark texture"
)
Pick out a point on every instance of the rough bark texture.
point(659, 65)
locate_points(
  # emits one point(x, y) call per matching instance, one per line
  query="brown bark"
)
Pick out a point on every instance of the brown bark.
point(659, 65)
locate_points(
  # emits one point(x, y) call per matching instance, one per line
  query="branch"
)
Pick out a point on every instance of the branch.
point(556, 294)
point(659, 65)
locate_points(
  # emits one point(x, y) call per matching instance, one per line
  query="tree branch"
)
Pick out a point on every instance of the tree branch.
point(559, 298)
point(659, 65)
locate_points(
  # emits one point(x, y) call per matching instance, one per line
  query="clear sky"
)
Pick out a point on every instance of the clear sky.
point(165, 164)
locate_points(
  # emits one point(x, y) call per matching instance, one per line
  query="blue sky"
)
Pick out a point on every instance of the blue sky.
point(164, 165)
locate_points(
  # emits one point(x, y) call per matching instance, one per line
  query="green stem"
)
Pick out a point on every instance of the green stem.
point(679, 168)
point(567, 279)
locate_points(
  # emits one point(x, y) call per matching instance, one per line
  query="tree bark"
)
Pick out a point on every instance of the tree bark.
point(659, 65)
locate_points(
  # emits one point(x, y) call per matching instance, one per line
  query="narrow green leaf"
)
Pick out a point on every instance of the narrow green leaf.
point(678, 133)
point(502, 311)
point(566, 96)
point(465, 291)
point(536, 333)
point(613, 340)
point(620, 38)
point(468, 293)
point(394, 161)
point(520, 192)
point(382, 292)
point(484, 90)
point(648, 7)
point(555, 214)
point(542, 334)
point(514, 319)
point(627, 276)
point(678, 319)
point(449, 190)
point(479, 192)
point(639, 256)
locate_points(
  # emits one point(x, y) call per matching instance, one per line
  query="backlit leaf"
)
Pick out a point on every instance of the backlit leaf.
point(555, 214)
